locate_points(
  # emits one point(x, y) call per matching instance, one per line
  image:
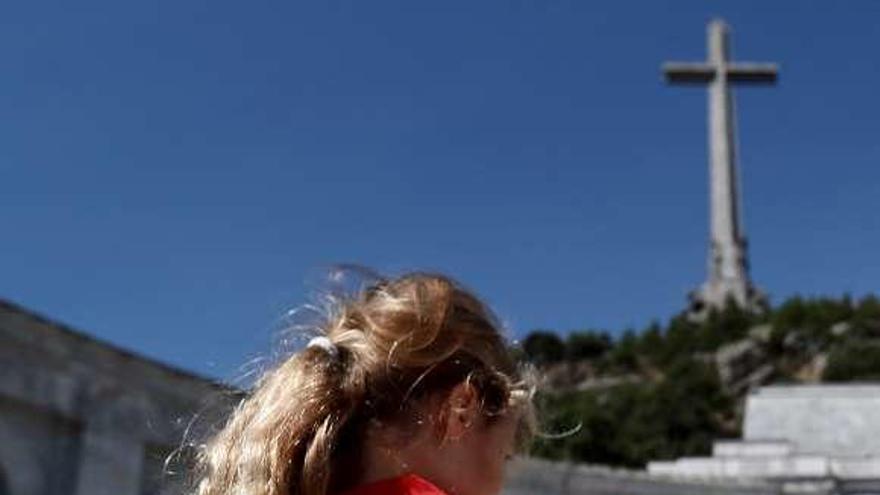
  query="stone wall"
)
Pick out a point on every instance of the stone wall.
point(827, 420)
point(533, 477)
point(82, 417)
point(35, 442)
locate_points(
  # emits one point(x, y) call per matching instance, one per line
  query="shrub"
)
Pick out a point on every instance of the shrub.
point(543, 347)
point(853, 361)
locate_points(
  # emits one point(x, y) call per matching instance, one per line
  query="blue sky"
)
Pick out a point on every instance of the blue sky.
point(175, 174)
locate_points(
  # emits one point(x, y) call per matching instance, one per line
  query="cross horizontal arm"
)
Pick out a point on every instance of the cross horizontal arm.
point(752, 73)
point(688, 73)
point(697, 73)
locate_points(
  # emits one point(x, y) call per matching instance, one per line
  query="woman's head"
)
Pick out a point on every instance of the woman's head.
point(414, 376)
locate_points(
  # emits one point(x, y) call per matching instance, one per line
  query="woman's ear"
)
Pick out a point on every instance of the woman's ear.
point(460, 411)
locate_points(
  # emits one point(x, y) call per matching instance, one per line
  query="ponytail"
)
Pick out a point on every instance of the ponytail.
point(301, 429)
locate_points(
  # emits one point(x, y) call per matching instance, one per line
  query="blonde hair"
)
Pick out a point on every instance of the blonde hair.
point(300, 430)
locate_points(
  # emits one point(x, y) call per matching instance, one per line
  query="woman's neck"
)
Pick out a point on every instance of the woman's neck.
point(381, 462)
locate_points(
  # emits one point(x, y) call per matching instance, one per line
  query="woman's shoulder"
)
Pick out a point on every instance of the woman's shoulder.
point(408, 484)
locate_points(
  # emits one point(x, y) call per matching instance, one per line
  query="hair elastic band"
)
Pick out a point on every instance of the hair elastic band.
point(324, 344)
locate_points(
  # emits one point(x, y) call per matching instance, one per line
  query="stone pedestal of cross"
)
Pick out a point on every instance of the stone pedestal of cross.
point(728, 277)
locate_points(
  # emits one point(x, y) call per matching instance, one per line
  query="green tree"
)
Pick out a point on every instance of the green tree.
point(678, 417)
point(853, 361)
point(866, 317)
point(544, 347)
point(652, 343)
point(727, 325)
point(624, 355)
point(632, 424)
point(576, 426)
point(588, 345)
point(681, 339)
point(810, 319)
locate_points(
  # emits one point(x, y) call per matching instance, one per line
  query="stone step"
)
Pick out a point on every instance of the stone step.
point(768, 448)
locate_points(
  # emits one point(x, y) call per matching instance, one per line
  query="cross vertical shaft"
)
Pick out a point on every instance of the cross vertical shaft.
point(727, 247)
point(728, 277)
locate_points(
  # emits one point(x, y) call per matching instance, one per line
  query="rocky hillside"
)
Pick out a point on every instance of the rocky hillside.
point(668, 390)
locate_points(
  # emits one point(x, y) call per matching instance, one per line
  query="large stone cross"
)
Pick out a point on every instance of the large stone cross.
point(728, 276)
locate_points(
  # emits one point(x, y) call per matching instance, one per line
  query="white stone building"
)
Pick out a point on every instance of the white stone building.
point(815, 439)
point(82, 417)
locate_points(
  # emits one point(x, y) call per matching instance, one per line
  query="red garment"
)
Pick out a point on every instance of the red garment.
point(408, 484)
